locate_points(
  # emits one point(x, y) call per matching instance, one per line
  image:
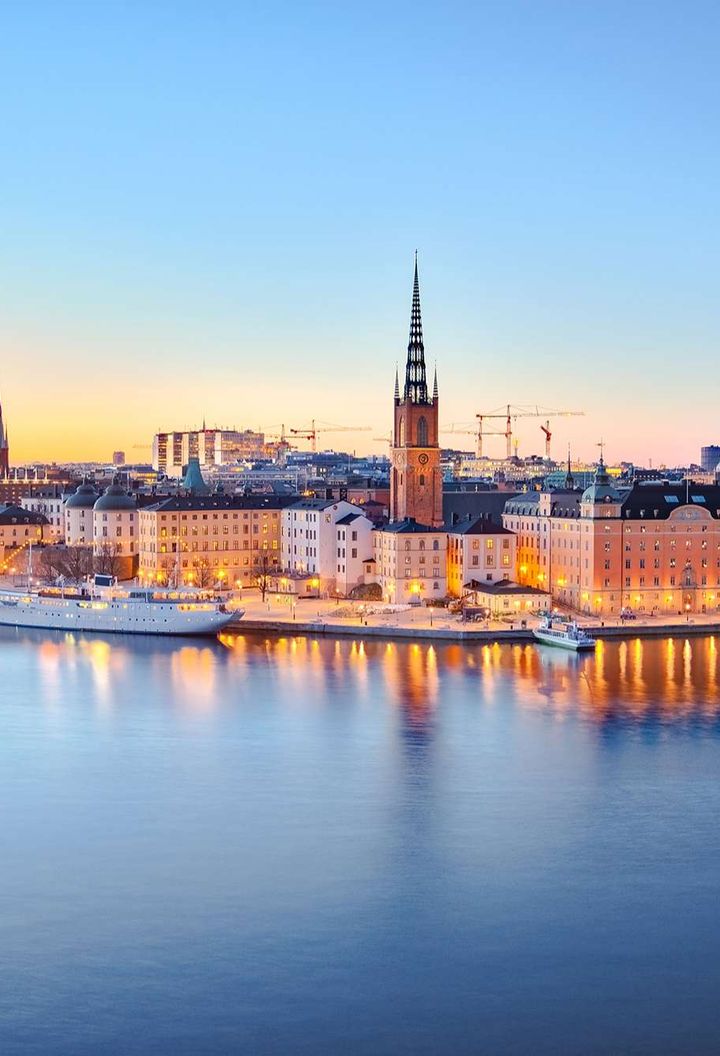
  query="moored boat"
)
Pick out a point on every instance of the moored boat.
point(566, 634)
point(104, 606)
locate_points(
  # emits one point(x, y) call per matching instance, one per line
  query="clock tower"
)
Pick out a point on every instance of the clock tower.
point(416, 477)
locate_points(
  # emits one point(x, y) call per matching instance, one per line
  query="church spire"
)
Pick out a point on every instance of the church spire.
point(397, 385)
point(435, 386)
point(416, 390)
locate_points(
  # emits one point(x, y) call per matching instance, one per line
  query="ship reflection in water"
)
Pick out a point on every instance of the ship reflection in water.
point(314, 846)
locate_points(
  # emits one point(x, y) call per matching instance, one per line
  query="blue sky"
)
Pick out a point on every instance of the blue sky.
point(212, 208)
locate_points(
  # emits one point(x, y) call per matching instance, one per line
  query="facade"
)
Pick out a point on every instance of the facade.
point(115, 529)
point(19, 528)
point(78, 515)
point(416, 476)
point(172, 451)
point(651, 548)
point(507, 599)
point(410, 562)
point(328, 539)
point(50, 502)
point(211, 539)
point(480, 551)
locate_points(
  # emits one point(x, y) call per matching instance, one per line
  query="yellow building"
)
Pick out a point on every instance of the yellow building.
point(211, 540)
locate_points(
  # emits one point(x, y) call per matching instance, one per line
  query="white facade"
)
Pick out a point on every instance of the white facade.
point(312, 541)
point(353, 546)
point(53, 509)
point(411, 562)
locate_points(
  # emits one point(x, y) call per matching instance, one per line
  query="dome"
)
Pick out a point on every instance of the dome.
point(601, 490)
point(84, 498)
point(115, 498)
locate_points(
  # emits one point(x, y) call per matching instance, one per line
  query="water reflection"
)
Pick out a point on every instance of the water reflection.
point(657, 680)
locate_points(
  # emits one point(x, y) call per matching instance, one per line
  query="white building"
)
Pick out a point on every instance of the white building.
point(51, 504)
point(115, 523)
point(78, 515)
point(172, 451)
point(411, 562)
point(327, 538)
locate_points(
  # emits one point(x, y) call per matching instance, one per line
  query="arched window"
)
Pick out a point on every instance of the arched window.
point(422, 480)
point(401, 432)
point(422, 432)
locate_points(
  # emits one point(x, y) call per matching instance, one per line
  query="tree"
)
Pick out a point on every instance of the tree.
point(262, 571)
point(71, 563)
point(203, 573)
point(107, 558)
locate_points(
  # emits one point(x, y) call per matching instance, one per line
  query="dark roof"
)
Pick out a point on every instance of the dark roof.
point(656, 501)
point(476, 526)
point(523, 504)
point(315, 504)
point(504, 586)
point(178, 503)
point(408, 527)
point(460, 504)
point(10, 514)
point(349, 518)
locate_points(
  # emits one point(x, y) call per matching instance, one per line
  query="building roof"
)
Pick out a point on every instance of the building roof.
point(179, 503)
point(504, 586)
point(115, 498)
point(315, 504)
point(10, 514)
point(525, 504)
point(349, 518)
point(194, 479)
point(657, 500)
point(476, 526)
point(84, 498)
point(409, 526)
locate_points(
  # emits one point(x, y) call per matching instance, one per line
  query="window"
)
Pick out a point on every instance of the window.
point(422, 434)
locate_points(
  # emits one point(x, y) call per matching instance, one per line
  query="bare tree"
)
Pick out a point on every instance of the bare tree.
point(107, 559)
point(72, 563)
point(204, 575)
point(262, 571)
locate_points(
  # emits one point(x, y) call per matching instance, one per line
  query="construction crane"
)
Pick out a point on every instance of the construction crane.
point(477, 432)
point(511, 413)
point(326, 427)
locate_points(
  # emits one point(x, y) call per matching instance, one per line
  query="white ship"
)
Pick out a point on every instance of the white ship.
point(564, 633)
point(104, 606)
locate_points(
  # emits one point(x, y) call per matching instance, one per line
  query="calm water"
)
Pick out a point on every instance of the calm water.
point(317, 847)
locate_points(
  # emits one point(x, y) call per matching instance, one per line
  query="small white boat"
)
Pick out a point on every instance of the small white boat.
point(564, 633)
point(104, 606)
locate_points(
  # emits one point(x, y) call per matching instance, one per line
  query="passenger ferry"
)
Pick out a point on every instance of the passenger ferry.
point(567, 634)
point(103, 605)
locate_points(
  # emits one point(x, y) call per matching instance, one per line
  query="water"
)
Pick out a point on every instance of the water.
point(305, 846)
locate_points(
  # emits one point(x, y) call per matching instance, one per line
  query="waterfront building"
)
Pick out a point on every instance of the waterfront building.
point(115, 531)
point(653, 547)
point(478, 551)
point(328, 539)
point(19, 528)
point(211, 539)
point(410, 562)
point(78, 515)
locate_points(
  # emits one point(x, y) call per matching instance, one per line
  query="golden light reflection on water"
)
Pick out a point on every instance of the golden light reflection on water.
point(666, 679)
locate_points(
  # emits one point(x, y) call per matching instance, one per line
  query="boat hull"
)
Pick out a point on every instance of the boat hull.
point(71, 614)
point(564, 643)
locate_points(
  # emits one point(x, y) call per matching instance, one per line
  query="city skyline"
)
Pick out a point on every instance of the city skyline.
point(224, 227)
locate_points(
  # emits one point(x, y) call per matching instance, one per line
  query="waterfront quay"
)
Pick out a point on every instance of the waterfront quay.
point(279, 615)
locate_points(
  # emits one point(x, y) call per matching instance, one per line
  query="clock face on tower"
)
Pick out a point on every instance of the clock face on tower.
point(423, 459)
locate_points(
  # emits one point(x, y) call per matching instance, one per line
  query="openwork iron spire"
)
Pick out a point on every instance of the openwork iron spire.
point(416, 390)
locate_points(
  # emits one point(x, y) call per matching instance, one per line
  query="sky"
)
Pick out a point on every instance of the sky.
point(211, 209)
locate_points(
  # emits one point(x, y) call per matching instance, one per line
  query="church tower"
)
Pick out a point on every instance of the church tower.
point(416, 477)
point(4, 450)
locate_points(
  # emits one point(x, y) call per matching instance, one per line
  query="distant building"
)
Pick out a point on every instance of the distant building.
point(118, 458)
point(710, 457)
point(48, 500)
point(172, 451)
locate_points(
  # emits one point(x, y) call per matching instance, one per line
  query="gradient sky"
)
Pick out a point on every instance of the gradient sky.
point(211, 209)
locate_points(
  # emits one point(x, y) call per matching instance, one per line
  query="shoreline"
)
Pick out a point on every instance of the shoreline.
point(323, 628)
